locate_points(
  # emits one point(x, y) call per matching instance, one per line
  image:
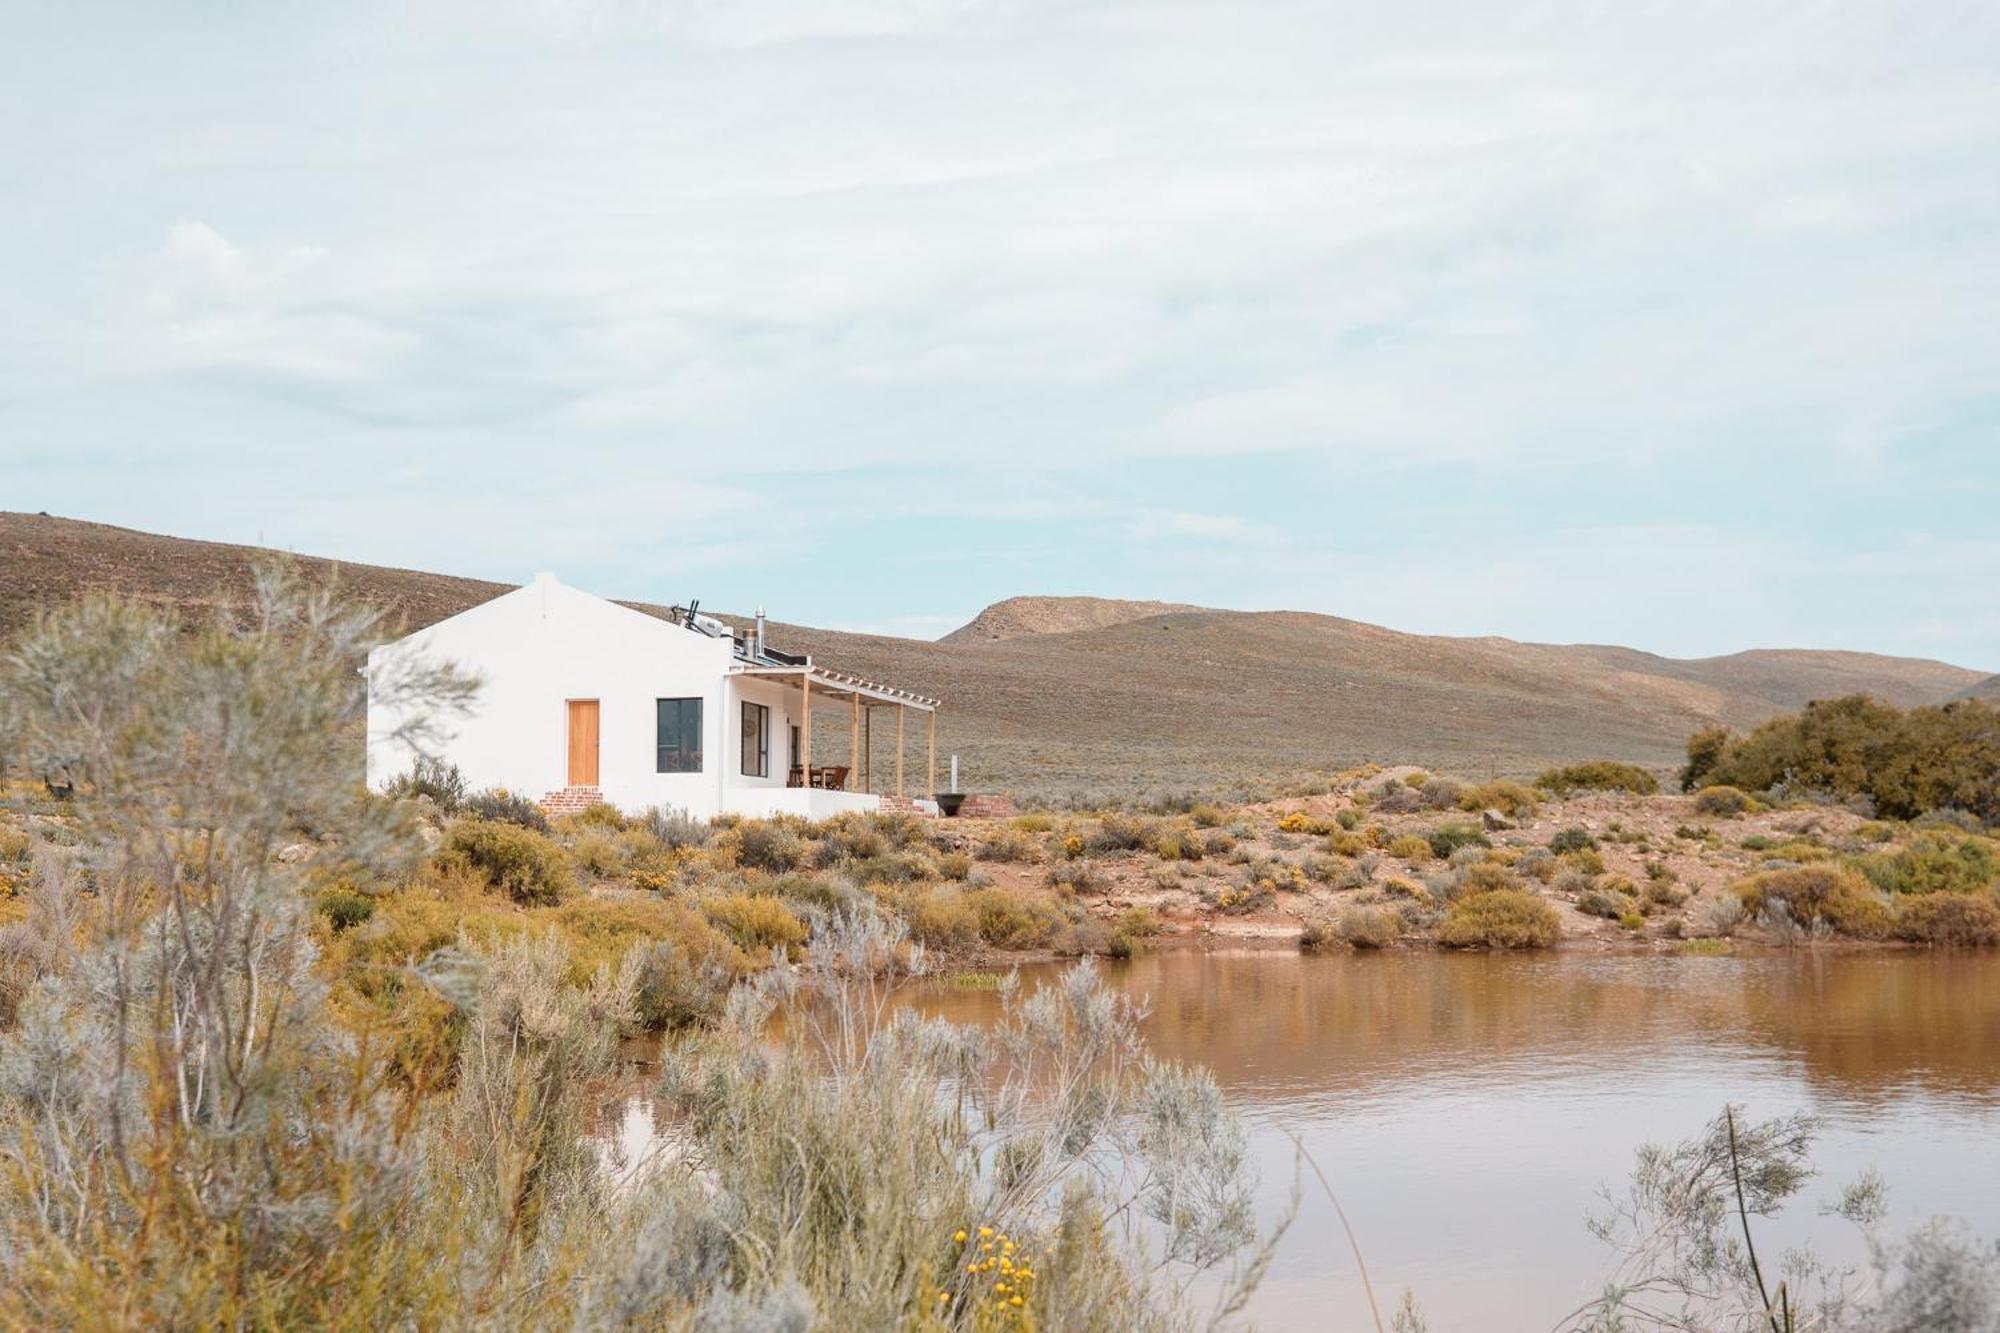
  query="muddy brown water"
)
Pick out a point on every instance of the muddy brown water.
point(1468, 1108)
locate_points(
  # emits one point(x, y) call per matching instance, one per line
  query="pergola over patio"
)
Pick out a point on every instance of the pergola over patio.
point(863, 698)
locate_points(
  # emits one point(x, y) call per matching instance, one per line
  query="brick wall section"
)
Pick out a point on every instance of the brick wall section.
point(571, 800)
point(902, 805)
point(987, 805)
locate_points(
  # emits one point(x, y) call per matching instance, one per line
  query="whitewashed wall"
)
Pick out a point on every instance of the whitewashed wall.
point(536, 648)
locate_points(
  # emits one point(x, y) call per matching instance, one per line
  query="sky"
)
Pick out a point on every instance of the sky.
point(1667, 324)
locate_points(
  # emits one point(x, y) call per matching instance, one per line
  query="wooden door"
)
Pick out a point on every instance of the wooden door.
point(583, 742)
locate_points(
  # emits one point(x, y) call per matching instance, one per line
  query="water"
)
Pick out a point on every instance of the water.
point(1468, 1108)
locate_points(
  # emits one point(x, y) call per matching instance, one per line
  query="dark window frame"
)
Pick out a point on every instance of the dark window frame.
point(671, 751)
point(762, 737)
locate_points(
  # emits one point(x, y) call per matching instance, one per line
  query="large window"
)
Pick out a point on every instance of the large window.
point(756, 741)
point(678, 736)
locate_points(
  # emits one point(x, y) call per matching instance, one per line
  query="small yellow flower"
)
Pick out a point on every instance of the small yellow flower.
point(984, 1232)
point(958, 1237)
point(944, 1296)
point(972, 1268)
point(1015, 1301)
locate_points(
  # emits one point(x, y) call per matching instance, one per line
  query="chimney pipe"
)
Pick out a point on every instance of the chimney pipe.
point(760, 630)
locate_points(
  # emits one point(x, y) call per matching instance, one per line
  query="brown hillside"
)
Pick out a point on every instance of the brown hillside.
point(1020, 617)
point(1988, 690)
point(1173, 699)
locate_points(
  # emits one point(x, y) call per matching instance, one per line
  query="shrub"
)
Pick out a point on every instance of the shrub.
point(1118, 833)
point(1012, 920)
point(1009, 845)
point(1369, 927)
point(770, 845)
point(955, 865)
point(1724, 802)
point(434, 779)
point(344, 908)
point(939, 918)
point(598, 853)
point(1397, 887)
point(1318, 937)
point(1604, 903)
point(1448, 838)
point(1935, 757)
point(1935, 862)
point(1664, 893)
point(1487, 877)
point(1813, 894)
point(673, 829)
point(1074, 877)
point(1504, 919)
point(1410, 847)
point(601, 815)
point(1347, 818)
point(1588, 860)
point(1443, 794)
point(1393, 798)
point(520, 862)
point(1038, 821)
point(1509, 798)
point(1139, 922)
point(1175, 842)
point(1571, 840)
point(1536, 863)
point(757, 922)
point(1964, 920)
point(503, 807)
point(1598, 775)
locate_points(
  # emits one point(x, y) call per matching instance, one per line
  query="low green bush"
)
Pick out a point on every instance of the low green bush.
point(344, 908)
point(758, 923)
point(767, 844)
point(1934, 862)
point(504, 807)
point(437, 781)
point(525, 865)
point(1571, 840)
point(1963, 920)
point(1723, 802)
point(1369, 927)
point(1010, 920)
point(1598, 775)
point(1504, 919)
point(1448, 838)
point(1509, 798)
point(1822, 893)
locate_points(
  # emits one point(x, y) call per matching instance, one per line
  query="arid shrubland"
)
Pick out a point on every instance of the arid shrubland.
point(219, 1107)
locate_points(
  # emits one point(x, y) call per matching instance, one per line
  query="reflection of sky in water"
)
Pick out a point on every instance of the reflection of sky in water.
point(1468, 1109)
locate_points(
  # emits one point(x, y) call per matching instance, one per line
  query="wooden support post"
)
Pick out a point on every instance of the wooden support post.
point(900, 710)
point(854, 741)
point(933, 753)
point(805, 732)
point(868, 749)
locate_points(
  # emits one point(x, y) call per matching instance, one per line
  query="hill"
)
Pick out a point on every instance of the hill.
point(1107, 696)
point(1988, 690)
point(1020, 617)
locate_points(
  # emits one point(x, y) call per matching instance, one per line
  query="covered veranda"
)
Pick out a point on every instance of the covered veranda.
point(830, 698)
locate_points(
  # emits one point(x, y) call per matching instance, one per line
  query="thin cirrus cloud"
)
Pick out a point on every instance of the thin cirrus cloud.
point(1430, 316)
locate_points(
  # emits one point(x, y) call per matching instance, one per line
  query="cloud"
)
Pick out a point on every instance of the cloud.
point(1033, 293)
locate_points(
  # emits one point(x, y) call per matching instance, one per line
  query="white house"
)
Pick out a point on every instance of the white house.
point(583, 700)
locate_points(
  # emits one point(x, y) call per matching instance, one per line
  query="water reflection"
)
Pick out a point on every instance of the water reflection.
point(1468, 1107)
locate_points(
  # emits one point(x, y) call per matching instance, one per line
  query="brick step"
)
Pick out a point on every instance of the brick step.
point(572, 800)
